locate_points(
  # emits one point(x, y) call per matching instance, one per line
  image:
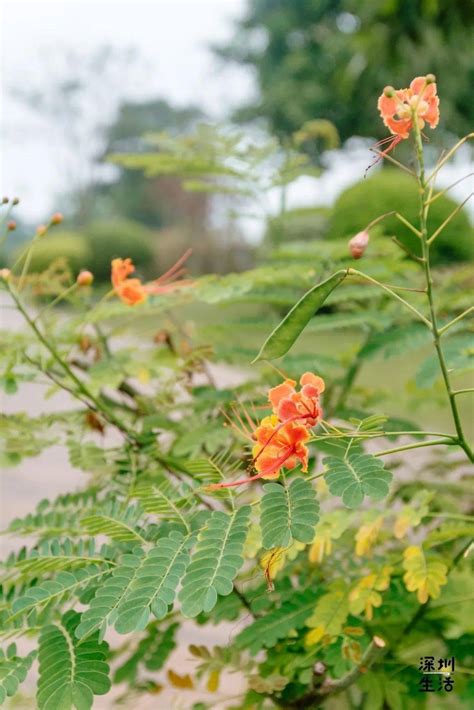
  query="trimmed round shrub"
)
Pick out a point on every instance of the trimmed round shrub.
point(70, 246)
point(121, 238)
point(391, 190)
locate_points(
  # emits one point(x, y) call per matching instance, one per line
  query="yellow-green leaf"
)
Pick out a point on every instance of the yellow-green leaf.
point(423, 575)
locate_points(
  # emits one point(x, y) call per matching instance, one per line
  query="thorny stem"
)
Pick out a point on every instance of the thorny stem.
point(425, 244)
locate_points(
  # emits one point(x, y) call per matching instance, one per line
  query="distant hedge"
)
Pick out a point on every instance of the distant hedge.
point(120, 238)
point(70, 246)
point(391, 190)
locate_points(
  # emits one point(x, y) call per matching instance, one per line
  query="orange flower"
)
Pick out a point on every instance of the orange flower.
point(133, 291)
point(403, 108)
point(279, 445)
point(302, 407)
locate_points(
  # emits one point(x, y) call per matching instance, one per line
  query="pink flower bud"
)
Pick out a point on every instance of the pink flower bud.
point(5, 274)
point(57, 218)
point(358, 244)
point(11, 225)
point(41, 230)
point(85, 278)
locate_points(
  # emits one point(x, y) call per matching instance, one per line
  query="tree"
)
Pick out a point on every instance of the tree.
point(330, 59)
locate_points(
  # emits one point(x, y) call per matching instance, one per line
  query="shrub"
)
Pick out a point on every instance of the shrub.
point(298, 225)
point(123, 238)
point(70, 246)
point(390, 190)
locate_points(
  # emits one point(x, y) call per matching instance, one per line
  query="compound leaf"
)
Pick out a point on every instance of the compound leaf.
point(216, 560)
point(140, 584)
point(355, 477)
point(70, 673)
point(288, 513)
point(13, 671)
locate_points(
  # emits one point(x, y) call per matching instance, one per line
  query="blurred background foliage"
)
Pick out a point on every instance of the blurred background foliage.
point(179, 182)
point(330, 59)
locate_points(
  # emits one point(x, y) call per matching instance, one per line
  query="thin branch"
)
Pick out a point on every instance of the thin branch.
point(448, 156)
point(417, 445)
point(455, 320)
point(446, 189)
point(392, 293)
point(448, 219)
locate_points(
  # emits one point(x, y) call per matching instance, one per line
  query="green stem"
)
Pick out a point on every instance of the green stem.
point(392, 293)
point(424, 208)
point(81, 387)
point(455, 320)
point(418, 445)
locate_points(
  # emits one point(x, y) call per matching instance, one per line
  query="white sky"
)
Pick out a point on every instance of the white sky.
point(173, 36)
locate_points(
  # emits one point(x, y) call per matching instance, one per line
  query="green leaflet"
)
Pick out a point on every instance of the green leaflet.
point(215, 562)
point(278, 623)
point(282, 338)
point(161, 498)
point(152, 653)
point(356, 476)
point(288, 513)
point(115, 521)
point(13, 671)
point(54, 590)
point(140, 584)
point(70, 673)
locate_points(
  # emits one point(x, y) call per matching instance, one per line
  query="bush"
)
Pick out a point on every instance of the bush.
point(70, 246)
point(121, 238)
point(298, 225)
point(389, 190)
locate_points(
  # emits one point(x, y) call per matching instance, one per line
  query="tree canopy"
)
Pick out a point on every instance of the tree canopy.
point(330, 59)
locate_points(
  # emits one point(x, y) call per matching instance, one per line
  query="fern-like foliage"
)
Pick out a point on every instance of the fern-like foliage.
point(52, 556)
point(71, 673)
point(357, 476)
point(13, 670)
point(288, 513)
point(266, 631)
point(152, 653)
point(55, 591)
point(215, 562)
point(161, 498)
point(117, 522)
point(142, 582)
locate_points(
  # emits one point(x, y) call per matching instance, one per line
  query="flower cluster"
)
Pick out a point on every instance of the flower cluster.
point(279, 441)
point(402, 109)
point(132, 291)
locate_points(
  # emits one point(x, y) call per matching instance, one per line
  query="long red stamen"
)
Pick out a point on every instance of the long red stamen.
point(173, 269)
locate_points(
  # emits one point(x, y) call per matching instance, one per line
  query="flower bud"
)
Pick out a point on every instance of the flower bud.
point(389, 92)
point(11, 225)
point(5, 274)
point(15, 200)
point(85, 278)
point(358, 244)
point(5, 200)
point(430, 79)
point(41, 229)
point(57, 218)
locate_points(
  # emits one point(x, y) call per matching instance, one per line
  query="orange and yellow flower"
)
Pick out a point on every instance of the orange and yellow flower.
point(279, 445)
point(302, 407)
point(402, 109)
point(280, 439)
point(132, 291)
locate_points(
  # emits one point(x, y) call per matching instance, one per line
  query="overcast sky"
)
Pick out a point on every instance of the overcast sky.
point(173, 36)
